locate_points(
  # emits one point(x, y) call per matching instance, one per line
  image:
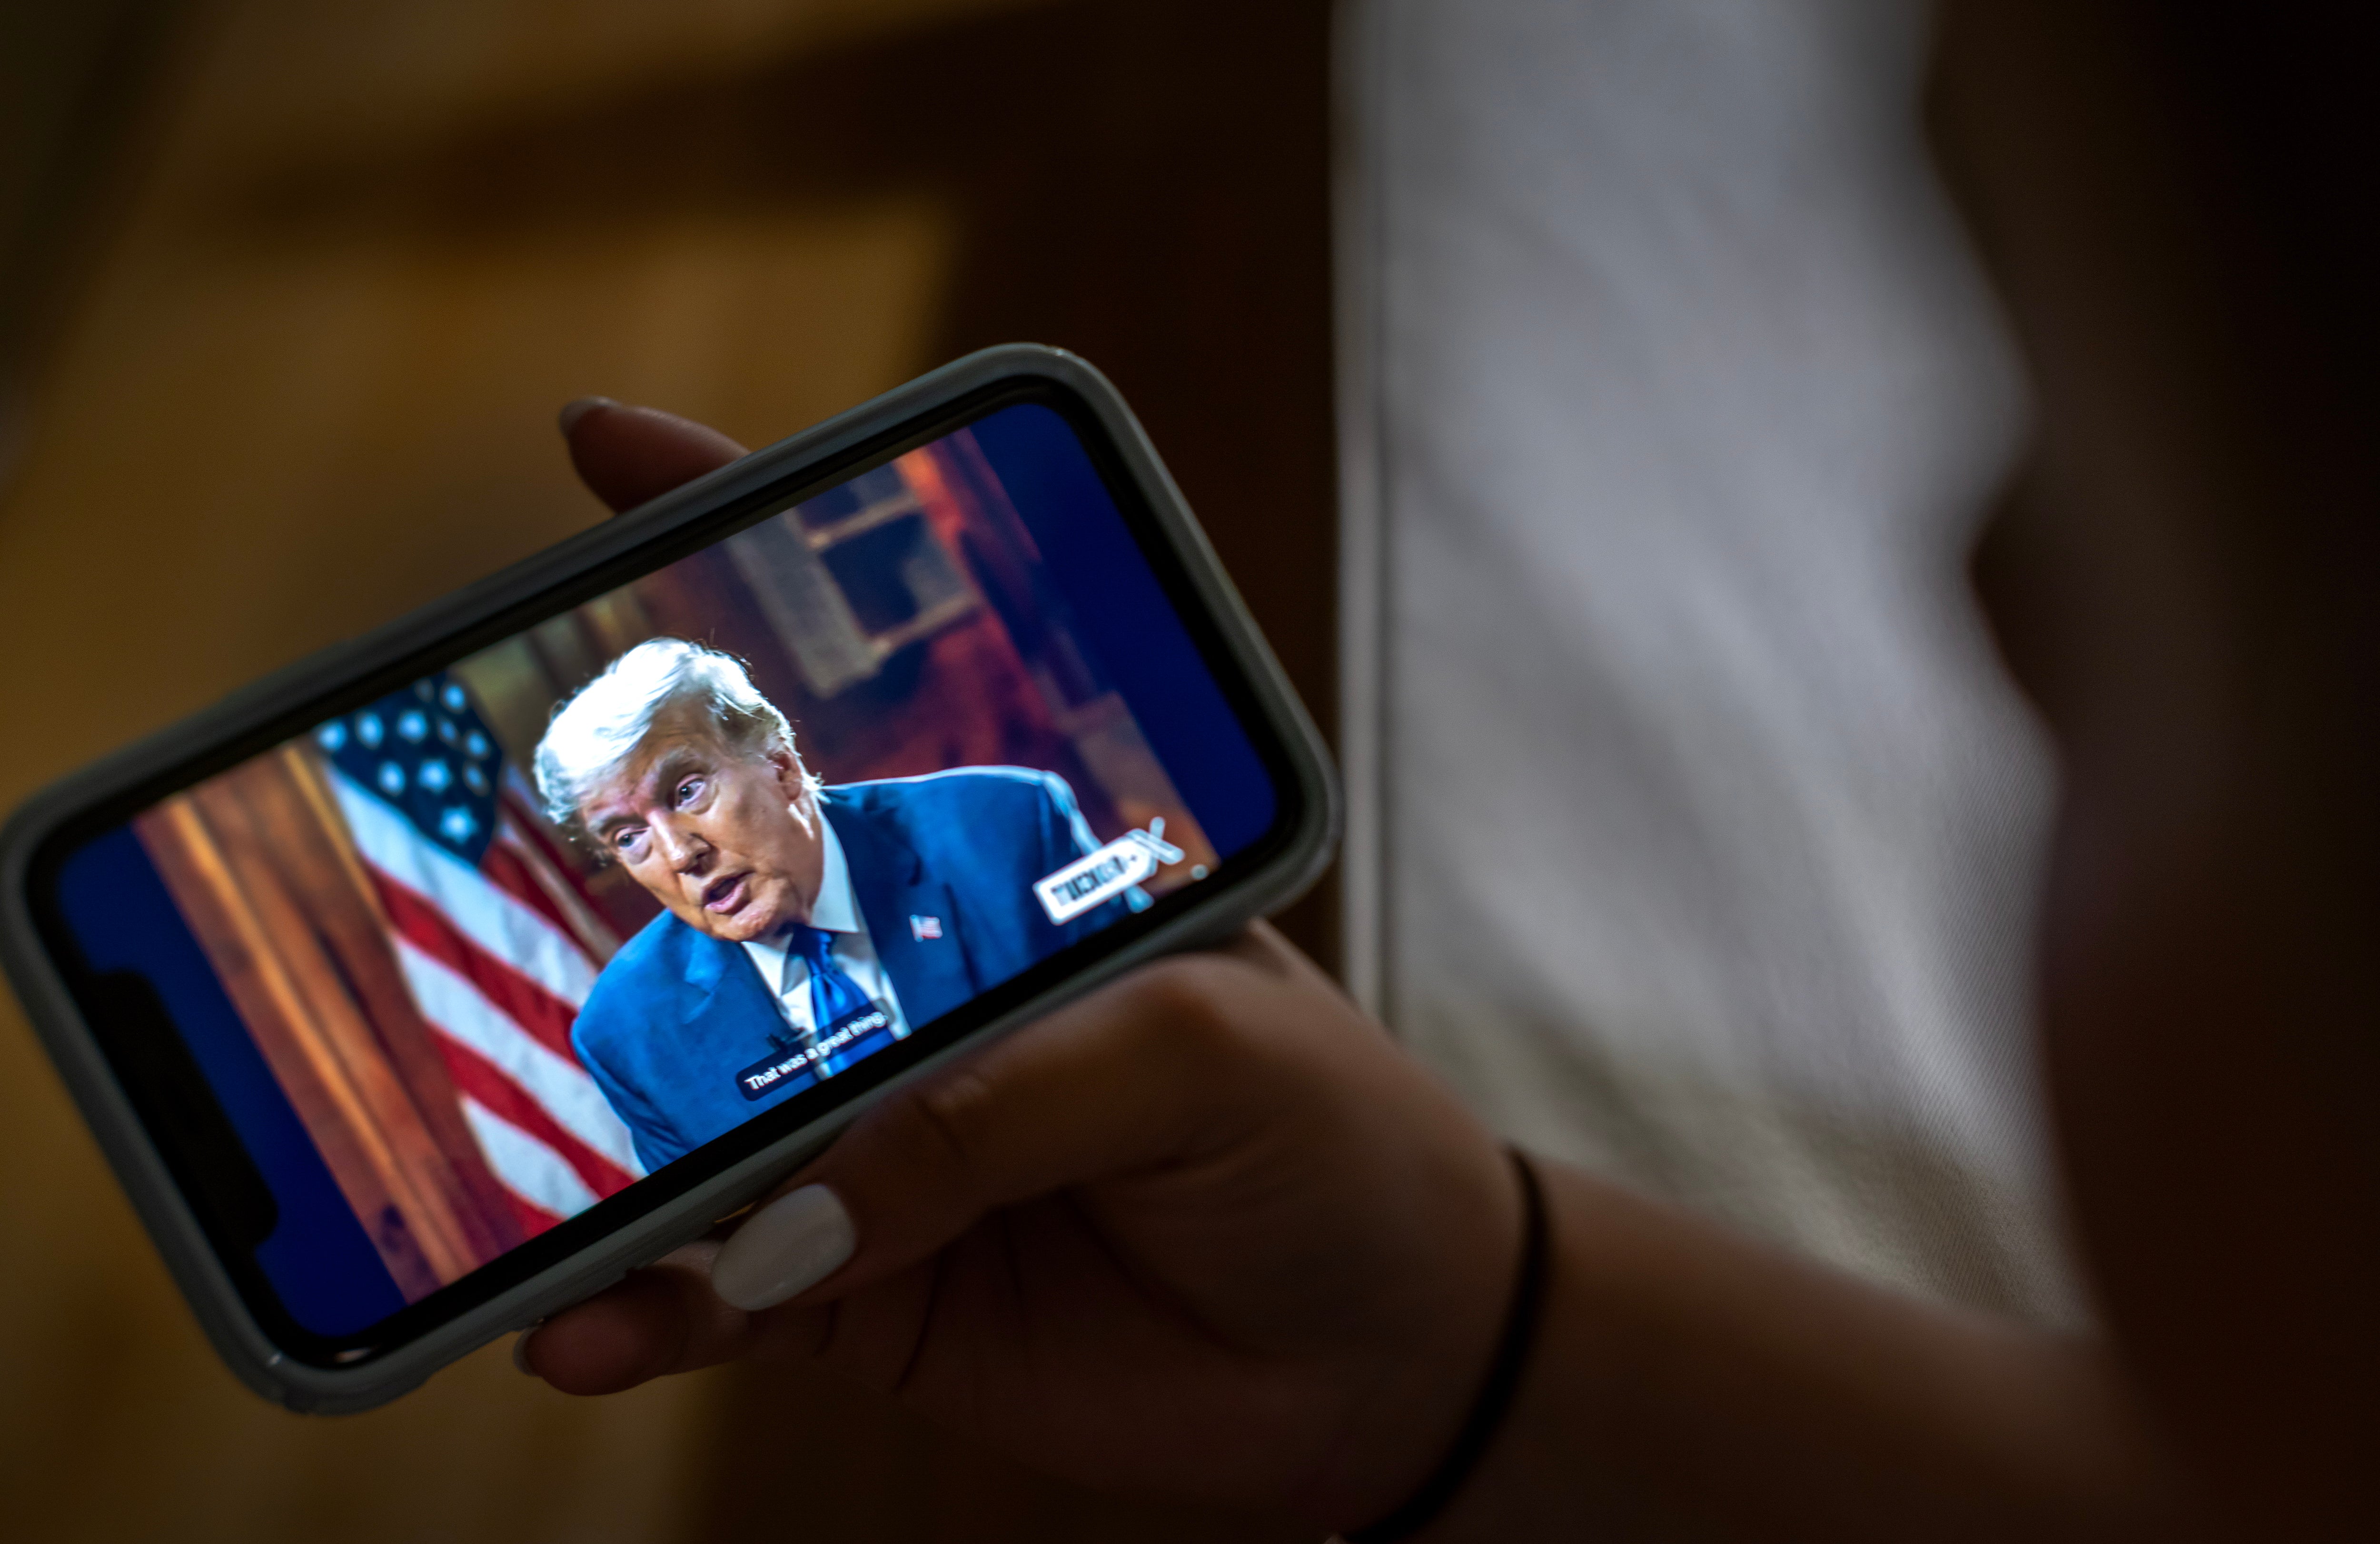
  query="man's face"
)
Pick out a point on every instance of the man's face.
point(728, 843)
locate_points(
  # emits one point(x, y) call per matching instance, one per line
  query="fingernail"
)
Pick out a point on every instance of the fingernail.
point(520, 1350)
point(787, 1246)
point(578, 408)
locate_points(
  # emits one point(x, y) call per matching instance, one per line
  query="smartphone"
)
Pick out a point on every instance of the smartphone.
point(435, 983)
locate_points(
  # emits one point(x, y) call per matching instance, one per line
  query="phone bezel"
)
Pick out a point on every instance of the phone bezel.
point(314, 1372)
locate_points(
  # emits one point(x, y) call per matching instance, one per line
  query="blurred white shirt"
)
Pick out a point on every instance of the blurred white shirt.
point(1696, 830)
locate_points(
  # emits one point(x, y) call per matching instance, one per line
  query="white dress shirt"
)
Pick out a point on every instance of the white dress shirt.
point(835, 911)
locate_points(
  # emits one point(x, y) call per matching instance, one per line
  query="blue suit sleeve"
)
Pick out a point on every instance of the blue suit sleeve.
point(655, 1140)
point(1066, 836)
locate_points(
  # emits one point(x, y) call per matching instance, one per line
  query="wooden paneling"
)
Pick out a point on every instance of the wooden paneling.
point(258, 862)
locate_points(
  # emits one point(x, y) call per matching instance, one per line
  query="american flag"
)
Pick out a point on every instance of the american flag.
point(495, 939)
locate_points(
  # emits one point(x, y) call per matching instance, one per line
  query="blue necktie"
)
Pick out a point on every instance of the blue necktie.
point(833, 995)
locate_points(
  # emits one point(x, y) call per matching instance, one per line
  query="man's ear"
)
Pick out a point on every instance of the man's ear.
point(791, 775)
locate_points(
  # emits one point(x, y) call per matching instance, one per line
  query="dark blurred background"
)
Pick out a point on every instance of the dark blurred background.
point(288, 297)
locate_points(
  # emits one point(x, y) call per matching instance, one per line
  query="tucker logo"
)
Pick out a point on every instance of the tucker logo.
point(1097, 878)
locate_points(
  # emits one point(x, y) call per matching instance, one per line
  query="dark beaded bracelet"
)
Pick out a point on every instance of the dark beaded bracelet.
point(1494, 1401)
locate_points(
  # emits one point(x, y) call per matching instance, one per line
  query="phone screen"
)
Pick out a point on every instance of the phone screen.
point(562, 925)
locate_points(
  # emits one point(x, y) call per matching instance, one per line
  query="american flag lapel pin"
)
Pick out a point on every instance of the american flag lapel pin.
point(924, 927)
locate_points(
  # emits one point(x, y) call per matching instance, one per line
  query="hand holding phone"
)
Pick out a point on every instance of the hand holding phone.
point(1203, 1233)
point(440, 981)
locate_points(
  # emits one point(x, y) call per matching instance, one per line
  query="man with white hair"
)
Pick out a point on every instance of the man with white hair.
point(804, 926)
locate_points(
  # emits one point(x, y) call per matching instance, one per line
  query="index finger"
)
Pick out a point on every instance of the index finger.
point(1161, 1065)
point(626, 456)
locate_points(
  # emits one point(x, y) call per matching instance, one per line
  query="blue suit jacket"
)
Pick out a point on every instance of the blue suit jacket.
point(677, 1013)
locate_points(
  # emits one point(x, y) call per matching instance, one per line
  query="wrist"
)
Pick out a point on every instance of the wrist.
point(1496, 1384)
point(1559, 1420)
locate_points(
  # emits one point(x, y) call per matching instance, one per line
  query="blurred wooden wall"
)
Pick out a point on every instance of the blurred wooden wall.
point(304, 378)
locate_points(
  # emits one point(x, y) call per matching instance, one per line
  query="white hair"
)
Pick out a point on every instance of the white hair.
point(595, 732)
